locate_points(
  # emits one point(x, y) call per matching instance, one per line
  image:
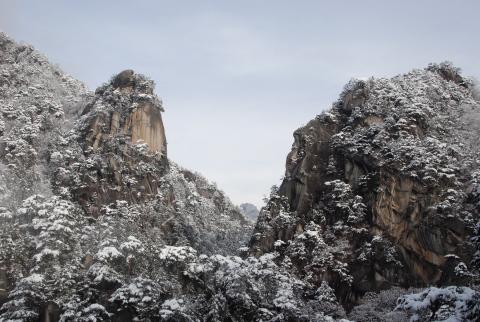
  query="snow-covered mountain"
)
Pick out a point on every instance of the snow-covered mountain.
point(249, 210)
point(382, 190)
point(85, 175)
point(380, 200)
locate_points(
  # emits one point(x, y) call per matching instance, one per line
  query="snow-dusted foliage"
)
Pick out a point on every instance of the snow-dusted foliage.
point(475, 196)
point(98, 269)
point(258, 289)
point(66, 258)
point(382, 190)
point(35, 97)
point(79, 250)
point(476, 243)
point(39, 249)
point(24, 300)
point(453, 304)
point(97, 224)
point(98, 165)
point(381, 306)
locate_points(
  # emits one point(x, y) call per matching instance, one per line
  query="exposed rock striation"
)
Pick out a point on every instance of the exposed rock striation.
point(121, 145)
point(126, 107)
point(383, 184)
point(97, 224)
point(116, 156)
point(89, 201)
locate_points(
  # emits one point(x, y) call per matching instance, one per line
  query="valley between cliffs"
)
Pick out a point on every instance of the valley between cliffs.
point(377, 217)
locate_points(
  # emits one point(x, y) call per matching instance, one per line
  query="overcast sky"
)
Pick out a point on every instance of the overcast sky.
point(238, 77)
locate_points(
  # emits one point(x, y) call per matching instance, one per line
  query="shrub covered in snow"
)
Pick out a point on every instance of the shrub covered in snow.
point(451, 304)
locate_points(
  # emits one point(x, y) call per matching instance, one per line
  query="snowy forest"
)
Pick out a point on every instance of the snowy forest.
point(377, 217)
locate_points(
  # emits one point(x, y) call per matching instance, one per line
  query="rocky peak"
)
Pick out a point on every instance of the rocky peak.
point(126, 107)
point(382, 190)
point(121, 149)
point(382, 185)
point(124, 80)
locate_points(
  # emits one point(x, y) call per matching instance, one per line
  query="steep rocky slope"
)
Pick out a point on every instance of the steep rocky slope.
point(84, 172)
point(100, 149)
point(36, 99)
point(382, 189)
point(121, 146)
point(97, 224)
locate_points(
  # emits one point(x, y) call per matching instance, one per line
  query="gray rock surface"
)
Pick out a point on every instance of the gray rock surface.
point(383, 184)
point(97, 224)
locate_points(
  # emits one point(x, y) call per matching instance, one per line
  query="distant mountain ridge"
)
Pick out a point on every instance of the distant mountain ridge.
point(249, 210)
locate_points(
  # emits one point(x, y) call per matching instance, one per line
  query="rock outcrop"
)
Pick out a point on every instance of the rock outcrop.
point(97, 224)
point(137, 116)
point(116, 156)
point(384, 179)
point(121, 142)
point(88, 198)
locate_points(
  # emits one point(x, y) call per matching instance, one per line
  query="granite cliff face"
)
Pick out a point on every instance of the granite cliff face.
point(121, 136)
point(116, 155)
point(136, 116)
point(85, 175)
point(97, 224)
point(386, 182)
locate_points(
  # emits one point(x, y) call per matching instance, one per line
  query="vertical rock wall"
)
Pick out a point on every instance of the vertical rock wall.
point(122, 148)
point(400, 148)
